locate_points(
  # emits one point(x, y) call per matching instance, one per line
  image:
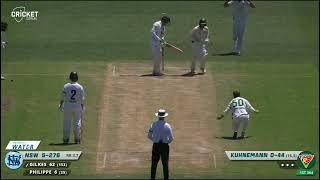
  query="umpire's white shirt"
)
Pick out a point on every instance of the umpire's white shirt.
point(72, 95)
point(239, 106)
point(160, 131)
point(157, 33)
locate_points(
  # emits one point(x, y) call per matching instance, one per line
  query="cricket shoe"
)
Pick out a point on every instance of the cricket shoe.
point(2, 77)
point(243, 135)
point(235, 135)
point(66, 141)
point(235, 53)
point(203, 71)
point(77, 141)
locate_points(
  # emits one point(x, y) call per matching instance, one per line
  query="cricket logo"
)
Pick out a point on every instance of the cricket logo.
point(16, 11)
point(306, 160)
point(19, 13)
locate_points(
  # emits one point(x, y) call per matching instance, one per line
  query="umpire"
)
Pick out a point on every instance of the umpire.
point(160, 133)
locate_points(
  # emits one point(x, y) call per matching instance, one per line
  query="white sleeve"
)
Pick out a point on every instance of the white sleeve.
point(3, 37)
point(82, 95)
point(153, 32)
point(207, 36)
point(63, 94)
point(228, 108)
point(230, 2)
point(193, 35)
point(249, 106)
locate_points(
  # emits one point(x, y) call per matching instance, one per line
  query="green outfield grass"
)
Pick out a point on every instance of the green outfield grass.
point(278, 73)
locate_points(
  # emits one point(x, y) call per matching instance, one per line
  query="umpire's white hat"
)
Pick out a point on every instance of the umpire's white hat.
point(161, 113)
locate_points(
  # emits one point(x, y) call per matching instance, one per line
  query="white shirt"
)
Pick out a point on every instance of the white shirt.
point(200, 36)
point(157, 33)
point(238, 106)
point(3, 39)
point(160, 131)
point(239, 8)
point(73, 95)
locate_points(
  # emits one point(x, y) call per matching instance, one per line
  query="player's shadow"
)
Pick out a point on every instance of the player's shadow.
point(164, 75)
point(149, 75)
point(225, 54)
point(61, 144)
point(192, 74)
point(231, 138)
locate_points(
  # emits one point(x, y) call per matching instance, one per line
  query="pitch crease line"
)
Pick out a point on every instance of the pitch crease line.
point(214, 160)
point(104, 159)
point(114, 71)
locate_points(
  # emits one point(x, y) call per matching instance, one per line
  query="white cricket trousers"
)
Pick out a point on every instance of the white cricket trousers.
point(236, 121)
point(156, 57)
point(72, 115)
point(239, 26)
point(200, 53)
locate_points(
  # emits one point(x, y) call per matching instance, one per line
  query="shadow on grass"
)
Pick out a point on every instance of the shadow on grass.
point(189, 74)
point(61, 144)
point(173, 75)
point(163, 75)
point(226, 54)
point(231, 138)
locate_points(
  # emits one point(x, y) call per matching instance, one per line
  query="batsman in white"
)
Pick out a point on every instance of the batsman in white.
point(199, 40)
point(72, 104)
point(4, 26)
point(240, 13)
point(238, 106)
point(158, 32)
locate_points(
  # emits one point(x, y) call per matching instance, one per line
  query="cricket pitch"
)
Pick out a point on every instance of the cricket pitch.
point(129, 103)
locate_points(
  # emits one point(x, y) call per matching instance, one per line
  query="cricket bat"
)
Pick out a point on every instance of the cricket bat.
point(174, 47)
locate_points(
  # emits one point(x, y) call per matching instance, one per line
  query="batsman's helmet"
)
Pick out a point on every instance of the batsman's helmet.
point(202, 22)
point(73, 76)
point(165, 19)
point(236, 93)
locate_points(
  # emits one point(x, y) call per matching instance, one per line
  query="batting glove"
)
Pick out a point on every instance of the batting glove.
point(162, 41)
